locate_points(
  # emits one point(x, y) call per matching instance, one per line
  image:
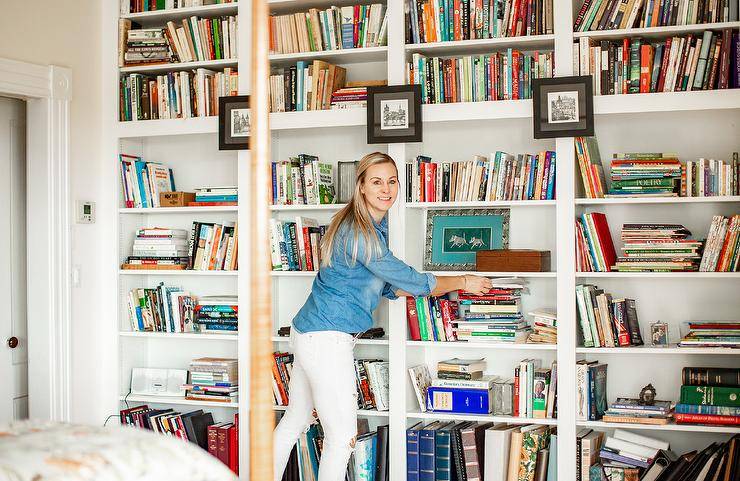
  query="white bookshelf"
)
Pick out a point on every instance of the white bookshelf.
point(692, 124)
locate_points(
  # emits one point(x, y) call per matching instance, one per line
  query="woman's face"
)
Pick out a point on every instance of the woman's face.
point(380, 188)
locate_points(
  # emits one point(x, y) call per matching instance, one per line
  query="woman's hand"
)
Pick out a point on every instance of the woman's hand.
point(477, 285)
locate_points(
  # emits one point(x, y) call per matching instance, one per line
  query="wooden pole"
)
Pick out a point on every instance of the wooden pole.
point(261, 415)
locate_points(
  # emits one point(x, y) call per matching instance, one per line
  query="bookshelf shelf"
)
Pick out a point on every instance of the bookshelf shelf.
point(173, 67)
point(177, 401)
point(343, 56)
point(477, 417)
point(179, 210)
point(664, 427)
point(161, 16)
point(318, 118)
point(360, 342)
point(481, 345)
point(654, 32)
point(665, 351)
point(155, 128)
point(293, 273)
point(490, 110)
point(170, 336)
point(552, 275)
point(656, 275)
point(661, 200)
point(302, 208)
point(470, 204)
point(360, 412)
point(155, 272)
point(667, 102)
point(526, 42)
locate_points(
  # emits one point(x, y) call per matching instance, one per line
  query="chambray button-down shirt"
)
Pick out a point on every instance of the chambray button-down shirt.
point(344, 296)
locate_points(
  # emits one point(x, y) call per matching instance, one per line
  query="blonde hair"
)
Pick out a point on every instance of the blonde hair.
point(357, 216)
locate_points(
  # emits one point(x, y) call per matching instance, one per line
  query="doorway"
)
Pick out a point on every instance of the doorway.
point(13, 249)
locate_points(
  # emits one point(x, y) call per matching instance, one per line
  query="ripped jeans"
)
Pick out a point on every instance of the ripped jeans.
point(323, 378)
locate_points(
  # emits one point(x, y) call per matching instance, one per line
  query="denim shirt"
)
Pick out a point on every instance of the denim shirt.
point(344, 296)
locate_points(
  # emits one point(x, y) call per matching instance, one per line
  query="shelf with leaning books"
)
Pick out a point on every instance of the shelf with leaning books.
point(179, 210)
point(659, 200)
point(482, 203)
point(293, 273)
point(175, 400)
point(306, 207)
point(700, 428)
point(177, 336)
point(178, 66)
point(178, 272)
point(481, 345)
point(655, 32)
point(343, 56)
point(312, 119)
point(359, 342)
point(547, 275)
point(670, 350)
point(479, 418)
point(667, 102)
point(360, 412)
point(484, 110)
point(157, 17)
point(658, 275)
point(482, 45)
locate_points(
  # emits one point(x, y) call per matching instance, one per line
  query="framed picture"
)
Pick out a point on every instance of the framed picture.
point(394, 114)
point(453, 236)
point(234, 122)
point(563, 107)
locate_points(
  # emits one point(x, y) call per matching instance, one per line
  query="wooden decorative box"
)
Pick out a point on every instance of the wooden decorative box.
point(512, 260)
point(175, 199)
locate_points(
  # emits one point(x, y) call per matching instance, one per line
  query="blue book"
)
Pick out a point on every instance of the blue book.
point(459, 400)
point(142, 179)
point(612, 456)
point(273, 172)
point(300, 71)
point(530, 182)
point(442, 453)
point(426, 452)
point(552, 461)
point(364, 457)
point(551, 178)
point(216, 198)
point(412, 452)
point(311, 435)
point(218, 327)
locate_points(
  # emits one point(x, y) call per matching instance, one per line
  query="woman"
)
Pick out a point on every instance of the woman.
point(357, 268)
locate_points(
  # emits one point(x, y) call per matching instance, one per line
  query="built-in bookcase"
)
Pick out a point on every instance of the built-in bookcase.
point(691, 124)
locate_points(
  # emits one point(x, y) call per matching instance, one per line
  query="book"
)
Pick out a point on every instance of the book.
point(421, 380)
point(459, 400)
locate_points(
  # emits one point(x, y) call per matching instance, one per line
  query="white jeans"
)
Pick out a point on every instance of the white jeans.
point(323, 378)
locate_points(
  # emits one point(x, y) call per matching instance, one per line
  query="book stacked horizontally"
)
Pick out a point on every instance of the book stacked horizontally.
point(212, 196)
point(658, 248)
point(349, 98)
point(545, 327)
point(158, 248)
point(629, 453)
point(645, 175)
point(213, 379)
point(722, 249)
point(709, 395)
point(712, 334)
point(606, 322)
point(492, 317)
point(217, 315)
point(145, 46)
point(594, 246)
point(627, 410)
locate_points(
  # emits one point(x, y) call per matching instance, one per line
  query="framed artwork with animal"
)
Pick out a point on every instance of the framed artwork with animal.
point(453, 236)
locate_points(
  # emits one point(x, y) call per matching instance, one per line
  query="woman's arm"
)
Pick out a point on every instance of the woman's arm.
point(477, 285)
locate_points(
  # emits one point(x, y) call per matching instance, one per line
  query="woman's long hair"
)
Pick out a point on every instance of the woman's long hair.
point(357, 215)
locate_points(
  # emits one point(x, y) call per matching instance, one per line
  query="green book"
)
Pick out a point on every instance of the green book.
point(710, 396)
point(634, 84)
point(217, 39)
point(421, 314)
point(642, 183)
point(325, 183)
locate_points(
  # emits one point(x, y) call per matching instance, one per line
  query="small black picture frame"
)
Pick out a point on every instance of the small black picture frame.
point(234, 122)
point(563, 107)
point(394, 114)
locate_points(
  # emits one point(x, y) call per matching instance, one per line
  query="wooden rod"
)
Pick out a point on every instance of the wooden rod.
point(261, 414)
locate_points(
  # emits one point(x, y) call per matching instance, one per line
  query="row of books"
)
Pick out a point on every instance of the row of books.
point(295, 246)
point(175, 95)
point(480, 450)
point(201, 39)
point(711, 334)
point(604, 321)
point(635, 65)
point(722, 245)
point(436, 21)
point(709, 395)
point(594, 246)
point(307, 86)
point(303, 180)
point(616, 14)
point(711, 177)
point(138, 6)
point(336, 28)
point(590, 390)
point(213, 379)
point(143, 181)
point(497, 76)
point(502, 176)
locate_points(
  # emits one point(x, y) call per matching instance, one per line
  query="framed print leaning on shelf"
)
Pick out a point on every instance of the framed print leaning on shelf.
point(563, 107)
point(234, 122)
point(394, 114)
point(453, 236)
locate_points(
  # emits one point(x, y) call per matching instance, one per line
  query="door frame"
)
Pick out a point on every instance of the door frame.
point(47, 92)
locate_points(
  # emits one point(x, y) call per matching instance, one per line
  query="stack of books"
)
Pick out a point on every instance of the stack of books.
point(592, 171)
point(295, 246)
point(645, 175)
point(302, 180)
point(213, 379)
point(712, 334)
point(627, 410)
point(626, 454)
point(709, 395)
point(158, 248)
point(213, 247)
point(594, 246)
point(336, 28)
point(496, 76)
point(217, 315)
point(658, 248)
point(307, 86)
point(606, 322)
point(349, 98)
point(710, 177)
point(492, 317)
point(161, 309)
point(431, 318)
point(590, 390)
point(613, 14)
point(213, 196)
point(143, 181)
point(722, 249)
point(146, 46)
point(473, 450)
point(460, 388)
point(371, 376)
point(501, 176)
point(544, 326)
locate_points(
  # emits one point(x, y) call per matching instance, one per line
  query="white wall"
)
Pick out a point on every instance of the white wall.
point(68, 34)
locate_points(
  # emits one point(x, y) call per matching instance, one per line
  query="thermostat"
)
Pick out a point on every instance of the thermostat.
point(85, 212)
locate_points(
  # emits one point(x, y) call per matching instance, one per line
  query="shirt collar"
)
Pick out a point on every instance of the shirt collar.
point(382, 226)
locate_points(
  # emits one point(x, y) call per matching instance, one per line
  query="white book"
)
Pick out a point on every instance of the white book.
point(420, 380)
point(631, 449)
point(497, 444)
point(486, 382)
point(641, 439)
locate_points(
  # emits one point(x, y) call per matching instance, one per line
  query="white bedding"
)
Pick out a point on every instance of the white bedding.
point(34, 451)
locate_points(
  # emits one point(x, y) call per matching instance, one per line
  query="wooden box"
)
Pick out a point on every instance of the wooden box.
point(512, 260)
point(175, 199)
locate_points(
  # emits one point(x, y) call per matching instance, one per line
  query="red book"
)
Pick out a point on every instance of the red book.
point(447, 318)
point(309, 252)
point(516, 391)
point(604, 239)
point(222, 433)
point(233, 436)
point(456, 20)
point(515, 75)
point(413, 319)
point(664, 64)
point(356, 25)
point(202, 204)
point(682, 418)
point(646, 64)
point(430, 172)
point(213, 439)
point(278, 379)
point(625, 65)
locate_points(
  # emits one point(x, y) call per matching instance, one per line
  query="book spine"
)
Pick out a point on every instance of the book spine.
point(709, 376)
point(682, 418)
point(412, 455)
point(710, 396)
point(467, 401)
